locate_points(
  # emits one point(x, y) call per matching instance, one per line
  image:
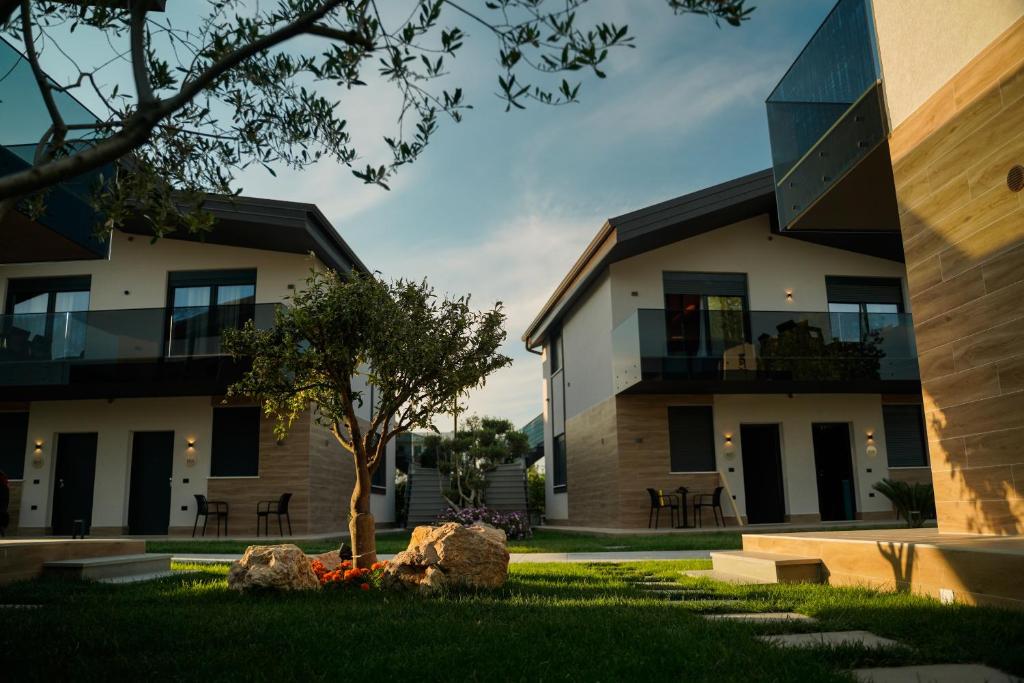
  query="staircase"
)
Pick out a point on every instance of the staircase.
point(425, 499)
point(752, 566)
point(113, 569)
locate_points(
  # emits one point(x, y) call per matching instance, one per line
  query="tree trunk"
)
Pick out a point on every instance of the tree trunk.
point(361, 526)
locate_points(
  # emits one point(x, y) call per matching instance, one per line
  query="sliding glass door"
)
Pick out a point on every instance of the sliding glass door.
point(46, 318)
point(204, 303)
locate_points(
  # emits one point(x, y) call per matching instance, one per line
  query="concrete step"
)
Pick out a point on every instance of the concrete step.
point(114, 566)
point(762, 567)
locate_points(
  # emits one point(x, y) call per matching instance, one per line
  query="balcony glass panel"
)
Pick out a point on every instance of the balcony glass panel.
point(804, 347)
point(826, 113)
point(40, 348)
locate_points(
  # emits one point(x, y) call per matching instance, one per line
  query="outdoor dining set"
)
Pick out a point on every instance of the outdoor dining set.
point(678, 509)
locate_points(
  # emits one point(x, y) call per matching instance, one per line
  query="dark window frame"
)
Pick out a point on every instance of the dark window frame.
point(225, 470)
point(677, 449)
point(557, 347)
point(556, 485)
point(213, 279)
point(12, 457)
point(702, 285)
point(905, 409)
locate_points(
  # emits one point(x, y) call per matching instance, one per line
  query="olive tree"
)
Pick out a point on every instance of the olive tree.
point(234, 87)
point(421, 354)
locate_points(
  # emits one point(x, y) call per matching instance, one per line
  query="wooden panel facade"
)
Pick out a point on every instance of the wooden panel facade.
point(963, 235)
point(592, 467)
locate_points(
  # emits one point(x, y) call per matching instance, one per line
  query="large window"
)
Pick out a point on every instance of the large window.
point(859, 306)
point(555, 349)
point(691, 438)
point(235, 451)
point(203, 303)
point(559, 481)
point(13, 439)
point(46, 317)
point(905, 436)
point(705, 313)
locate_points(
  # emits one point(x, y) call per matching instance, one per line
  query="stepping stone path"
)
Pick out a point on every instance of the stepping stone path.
point(758, 617)
point(935, 673)
point(829, 638)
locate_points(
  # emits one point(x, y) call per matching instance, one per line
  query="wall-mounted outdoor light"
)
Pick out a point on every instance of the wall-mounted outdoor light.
point(789, 296)
point(190, 452)
point(728, 448)
point(37, 454)
point(871, 450)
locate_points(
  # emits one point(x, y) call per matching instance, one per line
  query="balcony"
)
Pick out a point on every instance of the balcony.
point(829, 131)
point(765, 352)
point(120, 352)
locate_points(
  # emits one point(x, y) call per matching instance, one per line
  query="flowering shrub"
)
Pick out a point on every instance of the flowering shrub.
point(516, 525)
point(347, 576)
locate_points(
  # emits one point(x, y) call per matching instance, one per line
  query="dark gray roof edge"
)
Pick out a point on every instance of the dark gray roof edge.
point(706, 200)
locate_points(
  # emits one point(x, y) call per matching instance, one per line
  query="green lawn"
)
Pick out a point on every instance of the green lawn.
point(543, 541)
point(551, 622)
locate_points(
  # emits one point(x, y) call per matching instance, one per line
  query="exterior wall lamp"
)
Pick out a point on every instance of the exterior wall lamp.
point(728, 448)
point(871, 449)
point(789, 296)
point(190, 452)
point(37, 454)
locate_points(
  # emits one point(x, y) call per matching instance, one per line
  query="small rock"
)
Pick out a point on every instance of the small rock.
point(276, 567)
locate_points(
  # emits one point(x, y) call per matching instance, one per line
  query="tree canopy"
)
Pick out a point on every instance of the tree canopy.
point(235, 88)
point(419, 355)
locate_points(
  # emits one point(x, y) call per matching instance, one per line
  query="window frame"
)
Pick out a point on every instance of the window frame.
point(710, 411)
point(212, 279)
point(557, 487)
point(213, 442)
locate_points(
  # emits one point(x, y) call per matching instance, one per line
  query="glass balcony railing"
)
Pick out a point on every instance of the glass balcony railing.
point(812, 351)
point(826, 114)
point(43, 348)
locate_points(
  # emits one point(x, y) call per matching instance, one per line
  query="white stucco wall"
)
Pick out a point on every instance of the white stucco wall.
point(140, 269)
point(772, 263)
point(587, 355)
point(114, 422)
point(863, 412)
point(922, 44)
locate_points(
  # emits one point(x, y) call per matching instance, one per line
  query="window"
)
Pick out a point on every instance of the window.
point(904, 436)
point(46, 317)
point(705, 313)
point(556, 352)
point(858, 306)
point(235, 451)
point(203, 303)
point(691, 438)
point(559, 480)
point(13, 439)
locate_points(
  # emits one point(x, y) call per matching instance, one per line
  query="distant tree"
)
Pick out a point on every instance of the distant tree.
point(420, 353)
point(470, 453)
point(210, 99)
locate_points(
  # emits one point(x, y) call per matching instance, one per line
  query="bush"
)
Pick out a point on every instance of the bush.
point(516, 525)
point(918, 499)
point(535, 490)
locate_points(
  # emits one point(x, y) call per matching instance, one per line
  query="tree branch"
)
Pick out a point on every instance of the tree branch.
point(143, 88)
point(353, 38)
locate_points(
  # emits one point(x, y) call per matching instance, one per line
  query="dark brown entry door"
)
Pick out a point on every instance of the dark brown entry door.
point(762, 474)
point(74, 478)
point(833, 464)
point(149, 500)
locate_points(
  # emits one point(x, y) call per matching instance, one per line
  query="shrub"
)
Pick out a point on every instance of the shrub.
point(347, 576)
point(516, 525)
point(535, 489)
point(909, 498)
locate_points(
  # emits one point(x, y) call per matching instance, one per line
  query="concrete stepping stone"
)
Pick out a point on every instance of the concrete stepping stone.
point(20, 606)
point(758, 617)
point(935, 673)
point(829, 638)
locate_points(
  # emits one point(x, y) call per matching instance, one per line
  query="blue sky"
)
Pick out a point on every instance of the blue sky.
point(501, 204)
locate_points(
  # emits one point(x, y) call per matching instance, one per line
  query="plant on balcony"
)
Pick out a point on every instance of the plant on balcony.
point(913, 502)
point(339, 339)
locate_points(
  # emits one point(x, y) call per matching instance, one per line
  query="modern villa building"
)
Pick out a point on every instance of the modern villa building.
point(112, 378)
point(693, 344)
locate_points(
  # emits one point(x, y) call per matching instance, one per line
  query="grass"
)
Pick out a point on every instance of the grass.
point(562, 622)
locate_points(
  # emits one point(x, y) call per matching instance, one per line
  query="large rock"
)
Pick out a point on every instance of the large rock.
point(276, 567)
point(451, 555)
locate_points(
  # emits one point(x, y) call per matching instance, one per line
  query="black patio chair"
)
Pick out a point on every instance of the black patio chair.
point(205, 508)
point(278, 507)
point(660, 501)
point(709, 500)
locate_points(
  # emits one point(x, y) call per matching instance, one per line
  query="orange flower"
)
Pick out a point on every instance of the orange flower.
point(378, 565)
point(365, 586)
